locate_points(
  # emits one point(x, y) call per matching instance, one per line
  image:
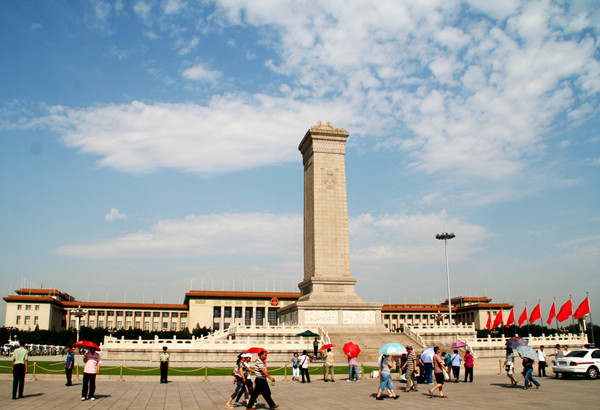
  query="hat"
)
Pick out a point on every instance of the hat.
point(246, 354)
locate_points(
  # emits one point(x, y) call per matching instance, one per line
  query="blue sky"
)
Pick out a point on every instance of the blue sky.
point(150, 146)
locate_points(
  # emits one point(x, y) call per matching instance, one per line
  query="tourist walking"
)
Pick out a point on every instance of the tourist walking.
point(92, 361)
point(455, 361)
point(329, 366)
point(19, 370)
point(239, 381)
point(246, 371)
point(469, 364)
point(70, 362)
point(509, 366)
point(352, 372)
point(295, 362)
point(261, 386)
point(541, 362)
point(528, 373)
point(165, 360)
point(304, 360)
point(438, 370)
point(428, 365)
point(385, 367)
point(410, 366)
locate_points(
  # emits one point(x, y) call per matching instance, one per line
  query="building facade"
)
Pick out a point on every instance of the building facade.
point(51, 309)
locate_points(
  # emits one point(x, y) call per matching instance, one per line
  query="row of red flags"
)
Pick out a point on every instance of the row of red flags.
point(566, 311)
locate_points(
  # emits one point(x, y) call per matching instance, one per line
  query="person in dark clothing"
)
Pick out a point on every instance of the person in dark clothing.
point(69, 365)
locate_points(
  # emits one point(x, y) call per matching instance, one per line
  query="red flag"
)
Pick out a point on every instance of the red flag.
point(489, 322)
point(498, 320)
point(511, 318)
point(583, 309)
point(523, 317)
point(565, 311)
point(552, 313)
point(536, 314)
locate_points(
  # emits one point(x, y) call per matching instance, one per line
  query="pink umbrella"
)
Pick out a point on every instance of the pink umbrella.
point(458, 344)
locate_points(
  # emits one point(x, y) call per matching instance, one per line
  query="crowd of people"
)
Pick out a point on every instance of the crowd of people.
point(432, 367)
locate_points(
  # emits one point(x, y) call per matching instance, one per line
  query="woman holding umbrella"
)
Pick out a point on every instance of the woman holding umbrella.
point(92, 361)
point(352, 350)
point(509, 366)
point(385, 367)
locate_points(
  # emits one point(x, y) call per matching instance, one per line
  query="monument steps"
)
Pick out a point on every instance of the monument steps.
point(369, 343)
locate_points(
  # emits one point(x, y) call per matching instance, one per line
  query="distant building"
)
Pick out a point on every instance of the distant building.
point(51, 309)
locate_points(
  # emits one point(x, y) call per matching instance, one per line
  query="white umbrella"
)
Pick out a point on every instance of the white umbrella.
point(427, 355)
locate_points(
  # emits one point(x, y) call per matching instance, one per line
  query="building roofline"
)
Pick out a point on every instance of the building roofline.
point(220, 294)
point(109, 305)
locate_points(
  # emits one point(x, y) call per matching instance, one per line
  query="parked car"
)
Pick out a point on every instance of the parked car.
point(584, 362)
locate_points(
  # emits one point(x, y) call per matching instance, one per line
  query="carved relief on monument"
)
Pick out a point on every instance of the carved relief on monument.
point(326, 317)
point(328, 147)
point(329, 177)
point(358, 316)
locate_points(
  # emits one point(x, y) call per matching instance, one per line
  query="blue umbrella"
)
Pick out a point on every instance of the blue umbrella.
point(392, 348)
point(515, 342)
point(527, 351)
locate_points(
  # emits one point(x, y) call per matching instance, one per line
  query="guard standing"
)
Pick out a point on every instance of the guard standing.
point(164, 365)
point(19, 369)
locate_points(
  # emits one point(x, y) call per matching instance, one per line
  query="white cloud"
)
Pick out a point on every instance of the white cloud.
point(242, 235)
point(173, 6)
point(201, 73)
point(231, 133)
point(114, 215)
point(380, 242)
point(143, 9)
point(388, 240)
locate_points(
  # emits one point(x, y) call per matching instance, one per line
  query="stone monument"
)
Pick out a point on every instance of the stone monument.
point(327, 294)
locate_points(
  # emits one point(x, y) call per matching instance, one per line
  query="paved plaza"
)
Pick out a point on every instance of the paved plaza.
point(488, 391)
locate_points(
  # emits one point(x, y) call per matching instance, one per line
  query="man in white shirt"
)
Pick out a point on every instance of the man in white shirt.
point(541, 362)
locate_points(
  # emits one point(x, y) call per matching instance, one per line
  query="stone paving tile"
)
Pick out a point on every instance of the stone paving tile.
point(489, 391)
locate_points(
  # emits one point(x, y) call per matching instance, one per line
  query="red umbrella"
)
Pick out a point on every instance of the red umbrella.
point(351, 349)
point(87, 345)
point(324, 347)
point(256, 350)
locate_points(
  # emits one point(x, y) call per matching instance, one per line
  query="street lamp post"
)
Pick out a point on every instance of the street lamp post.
point(78, 313)
point(445, 236)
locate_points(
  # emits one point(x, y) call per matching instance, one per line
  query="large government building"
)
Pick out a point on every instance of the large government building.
point(52, 309)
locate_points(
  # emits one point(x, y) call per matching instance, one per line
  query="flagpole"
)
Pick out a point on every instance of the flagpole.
point(555, 320)
point(591, 322)
point(541, 316)
point(572, 317)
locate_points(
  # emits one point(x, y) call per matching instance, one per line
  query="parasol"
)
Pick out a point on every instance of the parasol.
point(351, 349)
point(329, 346)
point(514, 342)
point(392, 348)
point(308, 333)
point(255, 350)
point(526, 351)
point(427, 355)
point(86, 345)
point(458, 344)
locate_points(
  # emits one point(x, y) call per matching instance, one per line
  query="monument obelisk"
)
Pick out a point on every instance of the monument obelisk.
point(327, 293)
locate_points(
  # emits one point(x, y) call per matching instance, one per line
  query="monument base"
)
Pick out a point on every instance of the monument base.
point(333, 314)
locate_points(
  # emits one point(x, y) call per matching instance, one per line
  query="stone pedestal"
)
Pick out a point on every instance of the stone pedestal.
point(327, 293)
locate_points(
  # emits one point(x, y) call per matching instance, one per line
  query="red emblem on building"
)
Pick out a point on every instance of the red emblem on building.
point(274, 302)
